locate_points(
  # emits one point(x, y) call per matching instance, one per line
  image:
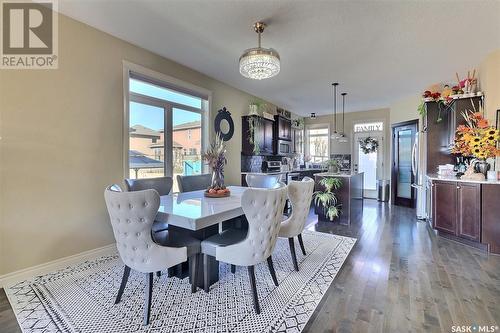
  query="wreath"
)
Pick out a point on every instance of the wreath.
point(368, 145)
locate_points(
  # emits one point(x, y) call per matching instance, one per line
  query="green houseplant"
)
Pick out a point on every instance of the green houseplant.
point(253, 129)
point(326, 200)
point(332, 166)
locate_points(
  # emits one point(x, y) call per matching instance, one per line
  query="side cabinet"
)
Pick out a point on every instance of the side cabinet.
point(444, 206)
point(469, 211)
point(456, 209)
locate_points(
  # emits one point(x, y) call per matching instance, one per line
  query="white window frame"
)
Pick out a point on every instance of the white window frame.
point(307, 138)
point(169, 81)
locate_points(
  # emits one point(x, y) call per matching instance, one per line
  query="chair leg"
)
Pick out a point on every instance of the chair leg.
point(147, 298)
point(158, 274)
point(193, 261)
point(251, 274)
point(233, 269)
point(178, 271)
point(301, 244)
point(126, 273)
point(292, 251)
point(206, 274)
point(271, 269)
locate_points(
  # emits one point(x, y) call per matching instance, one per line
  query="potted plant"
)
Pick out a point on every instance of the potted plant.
point(216, 158)
point(331, 165)
point(325, 201)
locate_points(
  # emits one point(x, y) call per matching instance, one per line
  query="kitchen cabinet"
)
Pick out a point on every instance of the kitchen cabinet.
point(283, 128)
point(444, 206)
point(456, 209)
point(440, 124)
point(267, 146)
point(469, 211)
point(263, 134)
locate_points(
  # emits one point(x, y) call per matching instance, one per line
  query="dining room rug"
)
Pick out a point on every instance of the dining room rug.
point(81, 298)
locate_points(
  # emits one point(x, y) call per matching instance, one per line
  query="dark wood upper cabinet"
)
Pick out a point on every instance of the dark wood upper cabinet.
point(267, 147)
point(444, 206)
point(469, 211)
point(441, 123)
point(283, 128)
point(263, 134)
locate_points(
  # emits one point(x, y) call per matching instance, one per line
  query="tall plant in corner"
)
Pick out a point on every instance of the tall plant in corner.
point(326, 199)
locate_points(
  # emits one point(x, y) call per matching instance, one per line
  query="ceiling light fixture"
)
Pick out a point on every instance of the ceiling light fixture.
point(313, 115)
point(343, 138)
point(335, 135)
point(259, 63)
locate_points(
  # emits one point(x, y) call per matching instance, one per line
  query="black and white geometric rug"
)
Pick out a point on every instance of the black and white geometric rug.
point(80, 298)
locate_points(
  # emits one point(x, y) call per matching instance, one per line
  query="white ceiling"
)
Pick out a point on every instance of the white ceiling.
point(379, 51)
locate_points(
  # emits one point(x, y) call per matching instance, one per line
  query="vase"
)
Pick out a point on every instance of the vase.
point(482, 166)
point(333, 169)
point(217, 179)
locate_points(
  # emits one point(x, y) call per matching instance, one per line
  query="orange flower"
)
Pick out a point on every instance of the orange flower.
point(482, 123)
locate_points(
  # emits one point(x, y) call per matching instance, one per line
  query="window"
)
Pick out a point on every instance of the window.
point(165, 129)
point(317, 144)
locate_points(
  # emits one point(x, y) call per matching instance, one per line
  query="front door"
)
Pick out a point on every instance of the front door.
point(403, 163)
point(371, 163)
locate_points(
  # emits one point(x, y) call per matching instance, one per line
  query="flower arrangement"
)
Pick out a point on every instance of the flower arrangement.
point(216, 158)
point(477, 138)
point(368, 145)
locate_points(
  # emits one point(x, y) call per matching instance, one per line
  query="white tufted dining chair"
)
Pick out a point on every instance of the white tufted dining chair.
point(263, 209)
point(132, 215)
point(262, 181)
point(300, 195)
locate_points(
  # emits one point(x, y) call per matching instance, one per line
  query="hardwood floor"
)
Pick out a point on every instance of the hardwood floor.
point(399, 277)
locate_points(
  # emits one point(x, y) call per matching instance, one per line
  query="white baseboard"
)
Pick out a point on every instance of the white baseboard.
point(51, 266)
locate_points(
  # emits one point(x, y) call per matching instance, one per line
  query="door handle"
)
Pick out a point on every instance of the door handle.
point(413, 159)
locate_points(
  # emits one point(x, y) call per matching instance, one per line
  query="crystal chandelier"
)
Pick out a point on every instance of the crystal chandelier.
point(259, 63)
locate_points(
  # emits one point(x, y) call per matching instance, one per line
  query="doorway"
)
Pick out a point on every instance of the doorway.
point(371, 164)
point(404, 159)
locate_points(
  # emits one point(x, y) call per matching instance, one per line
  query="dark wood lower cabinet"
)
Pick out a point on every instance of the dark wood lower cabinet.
point(491, 217)
point(457, 209)
point(469, 211)
point(444, 206)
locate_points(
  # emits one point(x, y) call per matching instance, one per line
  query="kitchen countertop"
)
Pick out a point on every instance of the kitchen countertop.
point(434, 176)
point(280, 172)
point(344, 175)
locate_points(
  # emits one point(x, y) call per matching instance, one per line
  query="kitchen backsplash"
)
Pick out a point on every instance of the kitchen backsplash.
point(254, 163)
point(344, 161)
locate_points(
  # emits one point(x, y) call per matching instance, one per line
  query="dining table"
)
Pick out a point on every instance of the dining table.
point(196, 215)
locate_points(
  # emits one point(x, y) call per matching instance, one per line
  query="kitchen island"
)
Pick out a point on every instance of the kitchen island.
point(349, 195)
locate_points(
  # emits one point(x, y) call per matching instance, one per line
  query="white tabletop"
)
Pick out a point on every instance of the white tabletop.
point(194, 211)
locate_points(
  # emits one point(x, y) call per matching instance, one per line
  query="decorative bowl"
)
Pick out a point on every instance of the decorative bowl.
point(217, 195)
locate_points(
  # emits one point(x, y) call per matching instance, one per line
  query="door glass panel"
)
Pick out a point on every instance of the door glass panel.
point(186, 144)
point(368, 164)
point(146, 141)
point(404, 163)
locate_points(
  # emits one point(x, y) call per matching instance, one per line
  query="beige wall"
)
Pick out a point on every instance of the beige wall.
point(489, 83)
point(350, 119)
point(61, 144)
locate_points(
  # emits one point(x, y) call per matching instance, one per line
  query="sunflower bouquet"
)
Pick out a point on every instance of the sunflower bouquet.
point(477, 138)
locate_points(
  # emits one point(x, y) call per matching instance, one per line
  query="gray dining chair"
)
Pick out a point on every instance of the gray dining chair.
point(132, 215)
point(262, 181)
point(263, 209)
point(162, 185)
point(300, 195)
point(194, 182)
